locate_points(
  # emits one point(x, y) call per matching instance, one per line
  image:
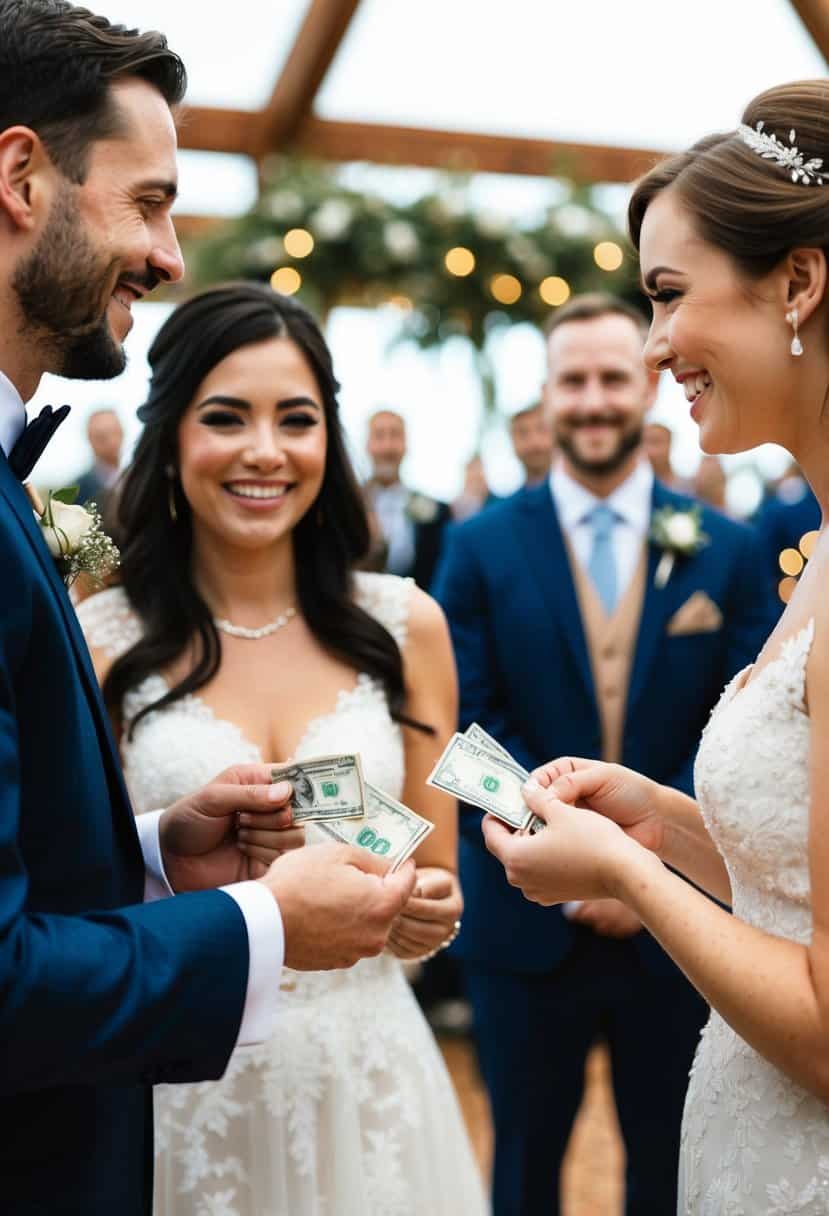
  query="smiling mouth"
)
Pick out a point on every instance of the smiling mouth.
point(694, 386)
point(125, 296)
point(257, 491)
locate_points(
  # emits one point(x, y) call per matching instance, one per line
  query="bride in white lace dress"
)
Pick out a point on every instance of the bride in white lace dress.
point(733, 238)
point(241, 507)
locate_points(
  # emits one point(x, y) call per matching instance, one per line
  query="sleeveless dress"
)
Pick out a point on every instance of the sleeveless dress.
point(754, 1143)
point(348, 1109)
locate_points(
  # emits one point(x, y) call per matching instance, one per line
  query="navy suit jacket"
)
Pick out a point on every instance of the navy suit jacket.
point(507, 590)
point(101, 995)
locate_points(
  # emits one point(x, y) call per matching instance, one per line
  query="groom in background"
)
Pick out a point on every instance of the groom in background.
point(567, 643)
point(107, 984)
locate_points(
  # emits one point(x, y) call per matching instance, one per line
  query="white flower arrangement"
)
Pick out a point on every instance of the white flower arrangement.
point(421, 509)
point(678, 534)
point(75, 537)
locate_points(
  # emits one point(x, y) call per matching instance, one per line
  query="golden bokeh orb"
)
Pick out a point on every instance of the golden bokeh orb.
point(807, 543)
point(505, 288)
point(554, 290)
point(286, 280)
point(785, 588)
point(791, 562)
point(298, 243)
point(459, 261)
point(608, 255)
point(403, 303)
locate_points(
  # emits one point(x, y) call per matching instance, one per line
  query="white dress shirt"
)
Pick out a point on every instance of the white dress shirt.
point(631, 502)
point(263, 921)
point(391, 508)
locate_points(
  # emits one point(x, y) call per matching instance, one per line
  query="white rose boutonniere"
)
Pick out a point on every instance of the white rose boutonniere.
point(421, 509)
point(678, 534)
point(74, 537)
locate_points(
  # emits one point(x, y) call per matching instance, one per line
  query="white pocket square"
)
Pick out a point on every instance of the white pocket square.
point(699, 614)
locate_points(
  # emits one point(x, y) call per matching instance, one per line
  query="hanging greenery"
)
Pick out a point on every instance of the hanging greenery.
point(451, 268)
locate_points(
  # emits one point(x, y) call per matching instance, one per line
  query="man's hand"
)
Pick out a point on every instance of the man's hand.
point(199, 834)
point(430, 916)
point(607, 917)
point(337, 904)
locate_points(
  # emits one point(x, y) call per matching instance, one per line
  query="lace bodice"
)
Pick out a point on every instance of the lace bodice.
point(753, 1141)
point(347, 1110)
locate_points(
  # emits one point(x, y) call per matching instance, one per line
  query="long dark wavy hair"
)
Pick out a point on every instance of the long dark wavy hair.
point(156, 553)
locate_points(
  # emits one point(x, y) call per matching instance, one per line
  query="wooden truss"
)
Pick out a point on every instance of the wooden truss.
point(287, 122)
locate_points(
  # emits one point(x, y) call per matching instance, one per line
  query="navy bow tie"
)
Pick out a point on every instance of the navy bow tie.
point(30, 446)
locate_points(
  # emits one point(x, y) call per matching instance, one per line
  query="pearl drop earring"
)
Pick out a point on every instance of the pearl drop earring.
point(797, 346)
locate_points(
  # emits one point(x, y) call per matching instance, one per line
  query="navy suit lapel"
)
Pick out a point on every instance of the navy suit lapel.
point(658, 604)
point(548, 562)
point(15, 496)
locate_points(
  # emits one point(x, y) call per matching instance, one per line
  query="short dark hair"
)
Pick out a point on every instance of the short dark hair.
point(57, 62)
point(526, 412)
point(593, 305)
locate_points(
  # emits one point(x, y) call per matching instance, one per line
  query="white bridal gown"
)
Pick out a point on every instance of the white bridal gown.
point(348, 1110)
point(754, 1143)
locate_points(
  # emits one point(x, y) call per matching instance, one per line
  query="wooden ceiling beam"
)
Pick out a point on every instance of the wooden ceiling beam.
point(465, 151)
point(317, 43)
point(815, 16)
point(211, 130)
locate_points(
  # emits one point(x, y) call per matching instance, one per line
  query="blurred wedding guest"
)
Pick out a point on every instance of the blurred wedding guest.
point(106, 439)
point(411, 524)
point(475, 494)
point(785, 517)
point(576, 633)
point(532, 442)
point(710, 483)
point(241, 630)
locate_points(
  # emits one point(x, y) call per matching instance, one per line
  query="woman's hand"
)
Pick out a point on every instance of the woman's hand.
point(265, 842)
point(579, 854)
point(628, 798)
point(429, 920)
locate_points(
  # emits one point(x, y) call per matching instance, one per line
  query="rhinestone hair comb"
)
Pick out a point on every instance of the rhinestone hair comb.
point(788, 156)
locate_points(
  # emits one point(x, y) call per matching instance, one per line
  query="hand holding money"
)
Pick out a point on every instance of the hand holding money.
point(431, 918)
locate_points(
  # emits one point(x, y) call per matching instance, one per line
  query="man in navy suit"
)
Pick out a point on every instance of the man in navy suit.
point(108, 985)
point(568, 641)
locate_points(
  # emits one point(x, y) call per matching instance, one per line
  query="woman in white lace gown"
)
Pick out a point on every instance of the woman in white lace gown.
point(241, 632)
point(733, 238)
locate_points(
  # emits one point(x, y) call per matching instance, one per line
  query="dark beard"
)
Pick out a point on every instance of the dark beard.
point(61, 289)
point(629, 441)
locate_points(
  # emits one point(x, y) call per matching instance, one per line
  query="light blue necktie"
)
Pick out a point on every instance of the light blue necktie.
point(602, 564)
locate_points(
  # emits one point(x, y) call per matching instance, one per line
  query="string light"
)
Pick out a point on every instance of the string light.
point(785, 588)
point(791, 562)
point(505, 288)
point(608, 255)
point(554, 291)
point(287, 280)
point(807, 543)
point(459, 261)
point(298, 243)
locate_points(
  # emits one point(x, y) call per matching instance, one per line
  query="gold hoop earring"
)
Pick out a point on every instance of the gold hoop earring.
point(797, 346)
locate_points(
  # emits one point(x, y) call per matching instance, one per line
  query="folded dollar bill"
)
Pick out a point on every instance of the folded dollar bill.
point(326, 787)
point(388, 829)
point(489, 780)
point(478, 735)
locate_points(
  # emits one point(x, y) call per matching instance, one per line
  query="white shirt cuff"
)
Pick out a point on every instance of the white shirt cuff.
point(266, 955)
point(156, 885)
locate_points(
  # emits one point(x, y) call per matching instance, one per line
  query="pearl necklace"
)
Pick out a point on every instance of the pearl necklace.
point(264, 631)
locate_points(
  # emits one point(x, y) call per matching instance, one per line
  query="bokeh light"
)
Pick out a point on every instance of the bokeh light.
point(287, 280)
point(807, 543)
point(505, 288)
point(554, 290)
point(785, 589)
point(608, 255)
point(459, 261)
point(298, 243)
point(791, 562)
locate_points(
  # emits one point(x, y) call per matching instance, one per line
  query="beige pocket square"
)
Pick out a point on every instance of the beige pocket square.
point(699, 614)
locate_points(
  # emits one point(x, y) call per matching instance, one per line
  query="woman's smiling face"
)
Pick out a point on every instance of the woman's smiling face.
point(722, 335)
point(252, 445)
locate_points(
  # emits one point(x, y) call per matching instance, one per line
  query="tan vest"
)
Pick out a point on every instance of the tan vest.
point(611, 642)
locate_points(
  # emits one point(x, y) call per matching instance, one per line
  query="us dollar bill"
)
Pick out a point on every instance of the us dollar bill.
point(388, 829)
point(326, 787)
point(476, 774)
point(478, 735)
